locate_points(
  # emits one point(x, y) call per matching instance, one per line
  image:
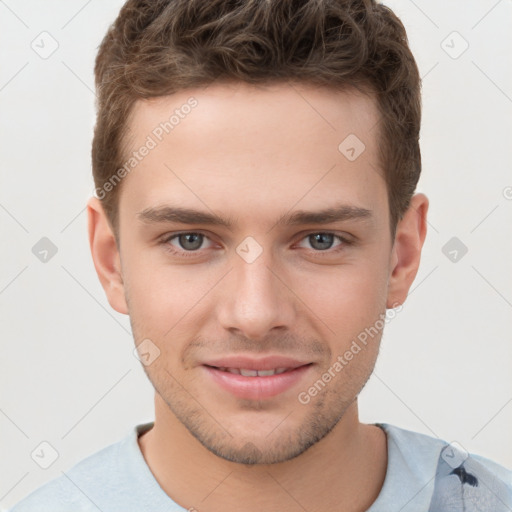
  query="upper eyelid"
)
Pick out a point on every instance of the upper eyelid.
point(171, 236)
point(335, 235)
point(343, 238)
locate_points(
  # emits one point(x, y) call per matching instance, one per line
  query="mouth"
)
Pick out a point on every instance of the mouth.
point(253, 373)
point(252, 379)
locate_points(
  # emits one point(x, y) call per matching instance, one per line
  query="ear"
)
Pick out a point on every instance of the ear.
point(405, 255)
point(105, 255)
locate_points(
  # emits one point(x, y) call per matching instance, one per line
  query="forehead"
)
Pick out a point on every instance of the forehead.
point(245, 150)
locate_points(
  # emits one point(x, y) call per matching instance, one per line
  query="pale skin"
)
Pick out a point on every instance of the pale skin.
point(253, 155)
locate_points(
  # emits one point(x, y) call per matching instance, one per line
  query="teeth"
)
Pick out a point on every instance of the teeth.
point(266, 373)
point(248, 373)
point(254, 373)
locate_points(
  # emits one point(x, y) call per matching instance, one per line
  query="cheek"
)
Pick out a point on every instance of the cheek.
point(349, 296)
point(164, 298)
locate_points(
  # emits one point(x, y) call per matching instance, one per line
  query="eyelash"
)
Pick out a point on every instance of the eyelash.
point(190, 254)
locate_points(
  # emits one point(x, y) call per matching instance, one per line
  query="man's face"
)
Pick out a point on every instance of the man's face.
point(261, 293)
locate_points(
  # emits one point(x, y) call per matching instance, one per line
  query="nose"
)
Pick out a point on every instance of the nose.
point(255, 299)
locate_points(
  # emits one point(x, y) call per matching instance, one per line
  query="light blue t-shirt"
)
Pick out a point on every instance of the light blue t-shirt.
point(423, 474)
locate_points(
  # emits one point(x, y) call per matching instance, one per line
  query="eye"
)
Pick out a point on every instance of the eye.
point(324, 241)
point(187, 242)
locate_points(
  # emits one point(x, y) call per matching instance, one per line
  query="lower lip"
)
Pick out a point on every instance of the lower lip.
point(257, 388)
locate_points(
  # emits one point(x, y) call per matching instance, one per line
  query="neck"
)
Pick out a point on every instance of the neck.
point(344, 471)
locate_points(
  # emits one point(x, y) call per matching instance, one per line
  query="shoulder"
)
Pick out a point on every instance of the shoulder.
point(415, 444)
point(70, 491)
point(428, 473)
point(57, 495)
point(408, 440)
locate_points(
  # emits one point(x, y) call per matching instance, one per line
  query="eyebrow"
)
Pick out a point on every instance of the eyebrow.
point(190, 216)
point(337, 213)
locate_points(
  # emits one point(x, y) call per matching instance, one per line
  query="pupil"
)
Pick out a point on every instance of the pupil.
point(321, 240)
point(194, 238)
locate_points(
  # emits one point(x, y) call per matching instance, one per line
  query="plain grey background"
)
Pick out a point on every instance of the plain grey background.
point(68, 374)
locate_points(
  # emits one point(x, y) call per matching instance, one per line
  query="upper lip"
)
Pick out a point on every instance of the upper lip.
point(252, 363)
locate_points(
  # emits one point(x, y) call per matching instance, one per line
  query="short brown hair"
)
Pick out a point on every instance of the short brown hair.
point(158, 47)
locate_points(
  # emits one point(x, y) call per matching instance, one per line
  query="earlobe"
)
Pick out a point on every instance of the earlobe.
point(105, 255)
point(406, 253)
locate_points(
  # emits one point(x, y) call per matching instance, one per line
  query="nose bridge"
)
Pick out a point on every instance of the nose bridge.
point(256, 300)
